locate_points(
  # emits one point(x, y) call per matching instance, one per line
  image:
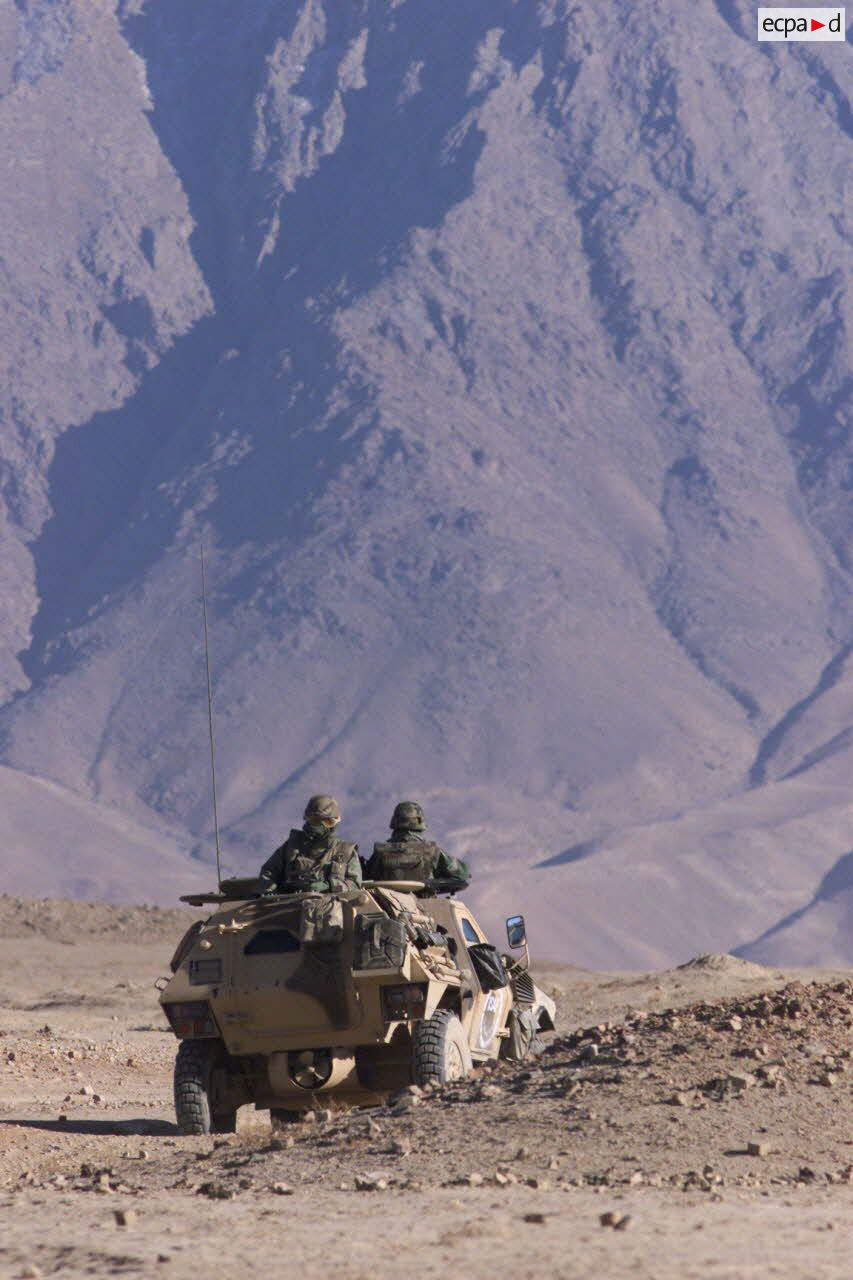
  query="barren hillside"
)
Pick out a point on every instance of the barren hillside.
point(502, 363)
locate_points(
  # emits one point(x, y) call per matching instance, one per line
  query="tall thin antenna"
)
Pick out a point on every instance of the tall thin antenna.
point(210, 718)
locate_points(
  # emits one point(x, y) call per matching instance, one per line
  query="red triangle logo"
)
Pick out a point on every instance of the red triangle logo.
point(816, 25)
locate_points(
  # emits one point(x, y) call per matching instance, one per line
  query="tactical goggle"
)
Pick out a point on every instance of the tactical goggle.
point(321, 820)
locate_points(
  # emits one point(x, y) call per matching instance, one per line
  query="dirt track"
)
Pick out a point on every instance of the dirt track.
point(649, 1119)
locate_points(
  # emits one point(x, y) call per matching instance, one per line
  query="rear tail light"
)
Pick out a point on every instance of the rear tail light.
point(404, 1003)
point(192, 1020)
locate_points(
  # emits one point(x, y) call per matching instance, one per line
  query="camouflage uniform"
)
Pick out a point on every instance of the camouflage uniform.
point(314, 860)
point(408, 855)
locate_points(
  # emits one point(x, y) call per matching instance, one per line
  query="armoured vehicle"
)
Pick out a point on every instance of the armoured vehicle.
point(288, 1000)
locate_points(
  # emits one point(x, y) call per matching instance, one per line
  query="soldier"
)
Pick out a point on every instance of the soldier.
point(408, 856)
point(314, 859)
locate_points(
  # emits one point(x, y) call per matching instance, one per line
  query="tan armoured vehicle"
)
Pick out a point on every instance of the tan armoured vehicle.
point(289, 1000)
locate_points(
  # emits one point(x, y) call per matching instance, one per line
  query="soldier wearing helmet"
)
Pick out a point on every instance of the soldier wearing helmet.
point(408, 855)
point(314, 859)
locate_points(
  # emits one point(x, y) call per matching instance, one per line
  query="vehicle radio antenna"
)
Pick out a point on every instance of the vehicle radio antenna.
point(210, 719)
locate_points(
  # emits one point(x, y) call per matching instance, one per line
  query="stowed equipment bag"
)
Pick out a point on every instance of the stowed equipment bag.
point(488, 966)
point(321, 922)
point(379, 943)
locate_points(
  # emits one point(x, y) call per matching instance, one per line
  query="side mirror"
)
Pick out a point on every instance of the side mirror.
point(516, 934)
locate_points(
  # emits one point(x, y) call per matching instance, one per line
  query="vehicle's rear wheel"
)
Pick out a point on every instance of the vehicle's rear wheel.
point(197, 1107)
point(440, 1050)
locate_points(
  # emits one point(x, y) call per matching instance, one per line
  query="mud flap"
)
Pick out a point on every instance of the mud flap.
point(523, 1042)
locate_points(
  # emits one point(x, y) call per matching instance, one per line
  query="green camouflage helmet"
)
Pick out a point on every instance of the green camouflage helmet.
point(408, 816)
point(323, 809)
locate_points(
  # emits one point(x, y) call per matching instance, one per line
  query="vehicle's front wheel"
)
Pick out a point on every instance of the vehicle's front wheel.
point(440, 1050)
point(196, 1105)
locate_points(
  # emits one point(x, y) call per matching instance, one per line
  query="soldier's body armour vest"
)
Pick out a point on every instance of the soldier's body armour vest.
point(304, 869)
point(405, 860)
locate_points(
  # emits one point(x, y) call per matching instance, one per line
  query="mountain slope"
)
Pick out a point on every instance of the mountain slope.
point(518, 438)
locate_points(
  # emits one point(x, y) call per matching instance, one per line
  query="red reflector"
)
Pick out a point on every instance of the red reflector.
point(191, 1019)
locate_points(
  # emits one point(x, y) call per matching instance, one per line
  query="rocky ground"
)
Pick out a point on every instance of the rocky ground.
point(695, 1122)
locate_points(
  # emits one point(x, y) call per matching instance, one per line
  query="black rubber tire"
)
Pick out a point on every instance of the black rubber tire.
point(440, 1050)
point(192, 1077)
point(194, 1066)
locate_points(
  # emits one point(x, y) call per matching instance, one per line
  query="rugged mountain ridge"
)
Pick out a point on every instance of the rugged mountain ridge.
point(517, 432)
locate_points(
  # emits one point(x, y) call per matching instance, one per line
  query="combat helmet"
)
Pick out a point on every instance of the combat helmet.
point(323, 810)
point(408, 816)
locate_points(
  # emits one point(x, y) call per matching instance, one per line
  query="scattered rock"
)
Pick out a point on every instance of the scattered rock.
point(537, 1218)
point(216, 1191)
point(370, 1182)
point(757, 1149)
point(404, 1105)
point(487, 1091)
point(618, 1221)
point(125, 1217)
point(739, 1083)
point(282, 1189)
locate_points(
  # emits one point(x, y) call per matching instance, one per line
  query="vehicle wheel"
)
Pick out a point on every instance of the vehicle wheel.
point(195, 1107)
point(440, 1050)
